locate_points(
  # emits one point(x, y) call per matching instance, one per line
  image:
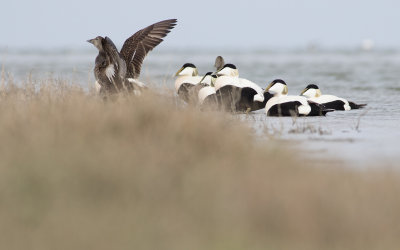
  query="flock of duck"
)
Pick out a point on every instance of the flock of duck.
point(222, 89)
point(225, 90)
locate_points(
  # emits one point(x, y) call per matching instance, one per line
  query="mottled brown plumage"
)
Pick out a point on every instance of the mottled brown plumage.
point(113, 68)
point(142, 42)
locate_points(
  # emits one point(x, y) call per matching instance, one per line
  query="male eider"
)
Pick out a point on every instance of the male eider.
point(234, 93)
point(207, 95)
point(115, 71)
point(188, 83)
point(313, 93)
point(289, 105)
point(188, 78)
point(208, 80)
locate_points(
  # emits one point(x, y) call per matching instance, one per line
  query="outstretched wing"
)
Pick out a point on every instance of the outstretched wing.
point(138, 45)
point(116, 60)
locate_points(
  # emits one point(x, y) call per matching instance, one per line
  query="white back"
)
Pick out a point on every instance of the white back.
point(304, 108)
point(330, 98)
point(226, 80)
point(186, 79)
point(327, 98)
point(240, 83)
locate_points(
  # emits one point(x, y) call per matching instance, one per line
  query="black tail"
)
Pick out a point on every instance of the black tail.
point(324, 111)
point(356, 106)
point(318, 109)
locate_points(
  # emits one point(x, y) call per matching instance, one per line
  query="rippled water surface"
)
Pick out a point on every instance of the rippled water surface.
point(359, 137)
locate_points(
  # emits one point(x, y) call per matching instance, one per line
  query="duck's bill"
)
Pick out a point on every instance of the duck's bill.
point(268, 87)
point(179, 71)
point(304, 91)
point(201, 79)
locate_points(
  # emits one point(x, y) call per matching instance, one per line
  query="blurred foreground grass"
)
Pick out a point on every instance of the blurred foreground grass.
point(142, 173)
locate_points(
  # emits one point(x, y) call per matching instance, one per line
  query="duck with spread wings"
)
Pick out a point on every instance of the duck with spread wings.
point(117, 71)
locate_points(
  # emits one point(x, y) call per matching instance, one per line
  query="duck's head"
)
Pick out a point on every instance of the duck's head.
point(96, 42)
point(277, 87)
point(208, 79)
point(219, 63)
point(188, 69)
point(228, 70)
point(311, 90)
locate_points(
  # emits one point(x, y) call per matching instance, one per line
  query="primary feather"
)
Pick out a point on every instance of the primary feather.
point(142, 42)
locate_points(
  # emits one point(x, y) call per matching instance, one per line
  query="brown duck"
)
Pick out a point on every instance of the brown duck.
point(117, 71)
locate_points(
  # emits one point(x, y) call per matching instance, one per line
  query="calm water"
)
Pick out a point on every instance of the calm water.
point(359, 138)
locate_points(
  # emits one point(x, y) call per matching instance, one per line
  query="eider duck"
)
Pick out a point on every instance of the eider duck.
point(207, 95)
point(313, 93)
point(116, 71)
point(236, 94)
point(187, 85)
point(206, 82)
point(282, 104)
point(188, 77)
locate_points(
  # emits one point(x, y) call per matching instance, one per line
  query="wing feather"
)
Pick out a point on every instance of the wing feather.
point(142, 42)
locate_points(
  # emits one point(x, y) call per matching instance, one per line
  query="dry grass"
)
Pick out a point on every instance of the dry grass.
point(78, 173)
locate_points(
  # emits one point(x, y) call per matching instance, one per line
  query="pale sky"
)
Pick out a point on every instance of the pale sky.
point(207, 23)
